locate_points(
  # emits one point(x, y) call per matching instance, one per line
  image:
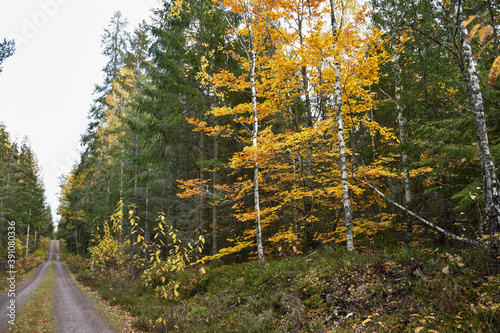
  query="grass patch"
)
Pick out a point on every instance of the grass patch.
point(37, 313)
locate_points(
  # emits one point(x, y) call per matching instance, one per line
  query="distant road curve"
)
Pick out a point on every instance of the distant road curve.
point(23, 292)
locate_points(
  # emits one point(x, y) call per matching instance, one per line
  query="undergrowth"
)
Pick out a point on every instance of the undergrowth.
point(330, 290)
point(24, 267)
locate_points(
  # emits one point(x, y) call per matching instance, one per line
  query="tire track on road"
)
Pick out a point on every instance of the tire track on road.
point(74, 311)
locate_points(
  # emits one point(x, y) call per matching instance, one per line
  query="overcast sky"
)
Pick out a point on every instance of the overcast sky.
point(46, 86)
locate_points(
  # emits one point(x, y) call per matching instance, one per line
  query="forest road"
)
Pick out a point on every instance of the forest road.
point(74, 311)
point(12, 301)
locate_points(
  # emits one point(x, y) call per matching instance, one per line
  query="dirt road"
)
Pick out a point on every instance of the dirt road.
point(74, 311)
point(22, 293)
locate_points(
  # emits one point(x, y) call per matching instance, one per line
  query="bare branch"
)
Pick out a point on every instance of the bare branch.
point(425, 221)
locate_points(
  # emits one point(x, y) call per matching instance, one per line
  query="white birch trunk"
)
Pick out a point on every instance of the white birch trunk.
point(255, 134)
point(402, 139)
point(342, 152)
point(28, 239)
point(490, 177)
point(307, 201)
point(425, 221)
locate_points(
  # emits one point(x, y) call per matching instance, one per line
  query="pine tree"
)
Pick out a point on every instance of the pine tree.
point(7, 49)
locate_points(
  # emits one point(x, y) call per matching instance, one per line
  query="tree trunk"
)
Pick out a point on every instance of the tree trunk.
point(342, 152)
point(255, 134)
point(201, 198)
point(402, 138)
point(146, 225)
point(28, 239)
point(425, 221)
point(214, 208)
point(307, 201)
point(490, 178)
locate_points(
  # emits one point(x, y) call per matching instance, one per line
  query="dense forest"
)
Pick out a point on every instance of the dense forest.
point(22, 198)
point(251, 129)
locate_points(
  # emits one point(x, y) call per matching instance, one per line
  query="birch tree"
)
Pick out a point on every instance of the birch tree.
point(491, 185)
point(342, 151)
point(252, 37)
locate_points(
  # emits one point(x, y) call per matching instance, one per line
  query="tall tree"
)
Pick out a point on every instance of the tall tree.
point(287, 133)
point(491, 186)
point(22, 193)
point(340, 128)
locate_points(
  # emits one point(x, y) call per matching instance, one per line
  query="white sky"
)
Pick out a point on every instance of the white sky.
point(46, 86)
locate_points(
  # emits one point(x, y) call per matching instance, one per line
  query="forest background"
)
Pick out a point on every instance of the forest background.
point(240, 130)
point(280, 129)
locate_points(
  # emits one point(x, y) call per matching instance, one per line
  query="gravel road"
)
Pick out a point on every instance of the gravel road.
point(74, 311)
point(23, 292)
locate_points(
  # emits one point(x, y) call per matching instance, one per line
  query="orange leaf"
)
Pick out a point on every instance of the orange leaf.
point(472, 32)
point(494, 71)
point(469, 20)
point(484, 32)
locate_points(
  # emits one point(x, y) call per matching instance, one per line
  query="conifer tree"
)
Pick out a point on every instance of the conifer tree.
point(7, 49)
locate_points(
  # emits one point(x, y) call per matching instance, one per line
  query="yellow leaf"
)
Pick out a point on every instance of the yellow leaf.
point(484, 32)
point(418, 329)
point(494, 71)
point(472, 32)
point(446, 270)
point(469, 20)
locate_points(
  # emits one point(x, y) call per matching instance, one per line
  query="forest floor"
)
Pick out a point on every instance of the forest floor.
point(328, 290)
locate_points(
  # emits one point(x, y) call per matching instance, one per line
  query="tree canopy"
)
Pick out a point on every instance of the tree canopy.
point(272, 127)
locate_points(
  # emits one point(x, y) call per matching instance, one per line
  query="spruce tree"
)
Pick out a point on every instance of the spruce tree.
point(7, 49)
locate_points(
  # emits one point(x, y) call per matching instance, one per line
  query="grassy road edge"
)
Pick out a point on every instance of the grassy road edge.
point(37, 313)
